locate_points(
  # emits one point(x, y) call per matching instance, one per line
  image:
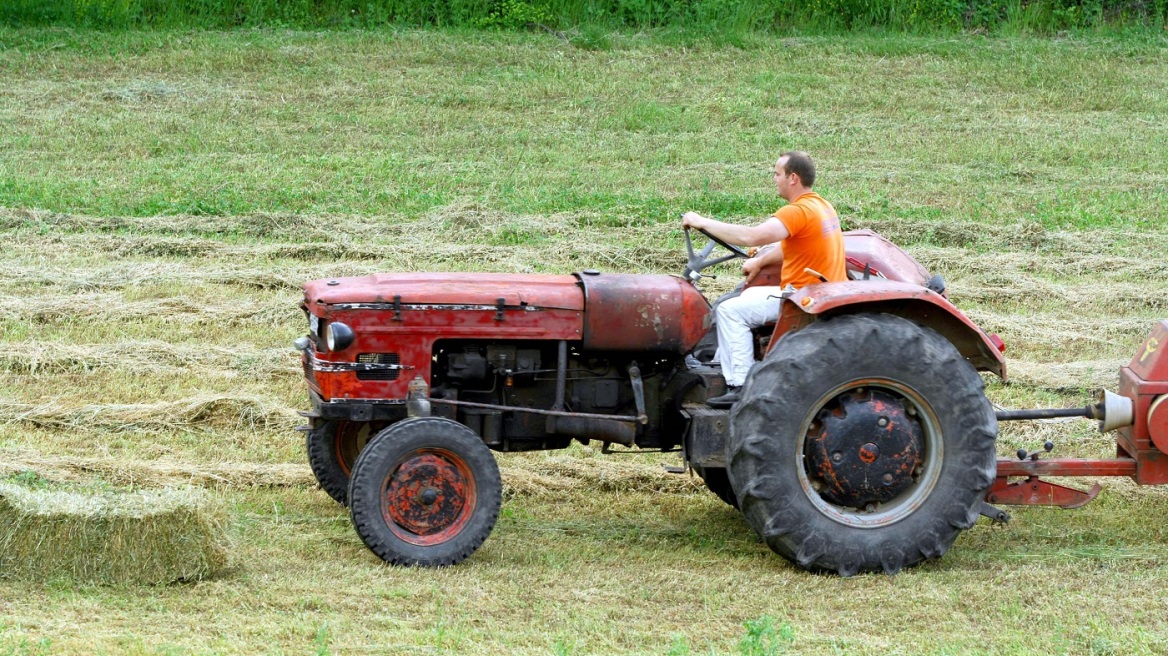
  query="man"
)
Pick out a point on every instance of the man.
point(806, 233)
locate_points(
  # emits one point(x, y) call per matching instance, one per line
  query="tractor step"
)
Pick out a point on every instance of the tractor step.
point(709, 428)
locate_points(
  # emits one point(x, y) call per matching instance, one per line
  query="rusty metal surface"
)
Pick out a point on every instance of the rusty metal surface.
point(350, 438)
point(1143, 393)
point(547, 291)
point(1036, 492)
point(412, 338)
point(885, 257)
point(904, 299)
point(429, 497)
point(603, 429)
point(1158, 422)
point(642, 313)
point(863, 247)
point(864, 448)
point(709, 428)
point(1151, 464)
point(1151, 360)
point(1145, 381)
point(1121, 466)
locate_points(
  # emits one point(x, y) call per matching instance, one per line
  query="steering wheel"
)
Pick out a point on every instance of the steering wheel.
point(697, 261)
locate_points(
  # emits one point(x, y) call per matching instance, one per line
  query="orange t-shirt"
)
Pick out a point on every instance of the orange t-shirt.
point(815, 242)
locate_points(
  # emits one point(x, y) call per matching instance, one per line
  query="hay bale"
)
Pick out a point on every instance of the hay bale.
point(141, 537)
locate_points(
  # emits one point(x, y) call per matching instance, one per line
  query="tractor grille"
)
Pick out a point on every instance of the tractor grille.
point(379, 358)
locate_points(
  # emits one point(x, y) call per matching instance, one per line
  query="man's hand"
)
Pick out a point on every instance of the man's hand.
point(751, 267)
point(694, 220)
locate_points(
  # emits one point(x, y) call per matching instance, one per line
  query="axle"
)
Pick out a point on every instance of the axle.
point(1112, 411)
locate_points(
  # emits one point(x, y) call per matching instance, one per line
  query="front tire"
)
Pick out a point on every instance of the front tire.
point(862, 443)
point(333, 447)
point(425, 491)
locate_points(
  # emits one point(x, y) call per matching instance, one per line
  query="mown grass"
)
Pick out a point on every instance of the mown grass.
point(163, 194)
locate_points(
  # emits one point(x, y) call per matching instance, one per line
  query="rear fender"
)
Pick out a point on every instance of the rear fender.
point(904, 299)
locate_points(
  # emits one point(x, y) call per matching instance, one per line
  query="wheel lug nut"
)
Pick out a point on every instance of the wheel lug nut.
point(837, 456)
point(429, 496)
point(887, 478)
point(882, 422)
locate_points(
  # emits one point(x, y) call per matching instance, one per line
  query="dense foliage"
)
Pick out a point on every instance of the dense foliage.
point(784, 16)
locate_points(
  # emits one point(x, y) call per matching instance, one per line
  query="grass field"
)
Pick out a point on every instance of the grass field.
point(163, 195)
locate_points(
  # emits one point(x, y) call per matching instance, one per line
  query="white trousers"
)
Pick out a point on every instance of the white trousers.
point(735, 318)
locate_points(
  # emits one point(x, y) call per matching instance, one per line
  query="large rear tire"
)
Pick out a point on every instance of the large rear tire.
point(425, 491)
point(862, 443)
point(333, 447)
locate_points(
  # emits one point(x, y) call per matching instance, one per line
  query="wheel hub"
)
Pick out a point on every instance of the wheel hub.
point(863, 449)
point(426, 495)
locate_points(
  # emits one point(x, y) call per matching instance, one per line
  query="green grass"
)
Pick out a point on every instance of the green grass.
point(1059, 132)
point(164, 194)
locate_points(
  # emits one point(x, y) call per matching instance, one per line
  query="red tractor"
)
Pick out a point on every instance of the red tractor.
point(863, 439)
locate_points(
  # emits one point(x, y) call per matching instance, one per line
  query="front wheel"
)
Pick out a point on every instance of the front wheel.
point(862, 443)
point(332, 448)
point(425, 491)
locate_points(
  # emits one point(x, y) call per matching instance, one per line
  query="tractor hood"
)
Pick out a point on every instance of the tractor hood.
point(543, 291)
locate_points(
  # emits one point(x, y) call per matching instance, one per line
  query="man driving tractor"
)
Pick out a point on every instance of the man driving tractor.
point(807, 241)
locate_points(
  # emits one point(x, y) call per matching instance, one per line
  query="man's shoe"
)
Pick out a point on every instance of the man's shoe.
point(726, 400)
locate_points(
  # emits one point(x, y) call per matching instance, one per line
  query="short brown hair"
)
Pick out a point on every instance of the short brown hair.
point(799, 163)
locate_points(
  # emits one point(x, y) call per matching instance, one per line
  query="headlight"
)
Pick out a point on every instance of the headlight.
point(338, 336)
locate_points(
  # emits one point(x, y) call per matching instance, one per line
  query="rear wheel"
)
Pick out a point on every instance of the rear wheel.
point(426, 491)
point(862, 443)
point(333, 447)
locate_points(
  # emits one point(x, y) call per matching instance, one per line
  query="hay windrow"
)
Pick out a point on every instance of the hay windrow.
point(1067, 376)
point(1064, 338)
point(108, 306)
point(122, 275)
point(521, 476)
point(145, 537)
point(202, 412)
point(1119, 298)
point(1093, 267)
point(156, 473)
point(425, 249)
point(1021, 237)
point(252, 225)
point(147, 356)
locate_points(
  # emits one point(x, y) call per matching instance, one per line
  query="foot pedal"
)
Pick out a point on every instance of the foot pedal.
point(673, 469)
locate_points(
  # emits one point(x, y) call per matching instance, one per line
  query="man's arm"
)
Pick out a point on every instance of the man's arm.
point(767, 257)
point(769, 231)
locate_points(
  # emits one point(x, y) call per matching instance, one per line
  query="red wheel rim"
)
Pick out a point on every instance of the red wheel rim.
point(429, 496)
point(349, 439)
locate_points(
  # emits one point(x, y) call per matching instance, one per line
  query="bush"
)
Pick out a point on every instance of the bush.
point(705, 16)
